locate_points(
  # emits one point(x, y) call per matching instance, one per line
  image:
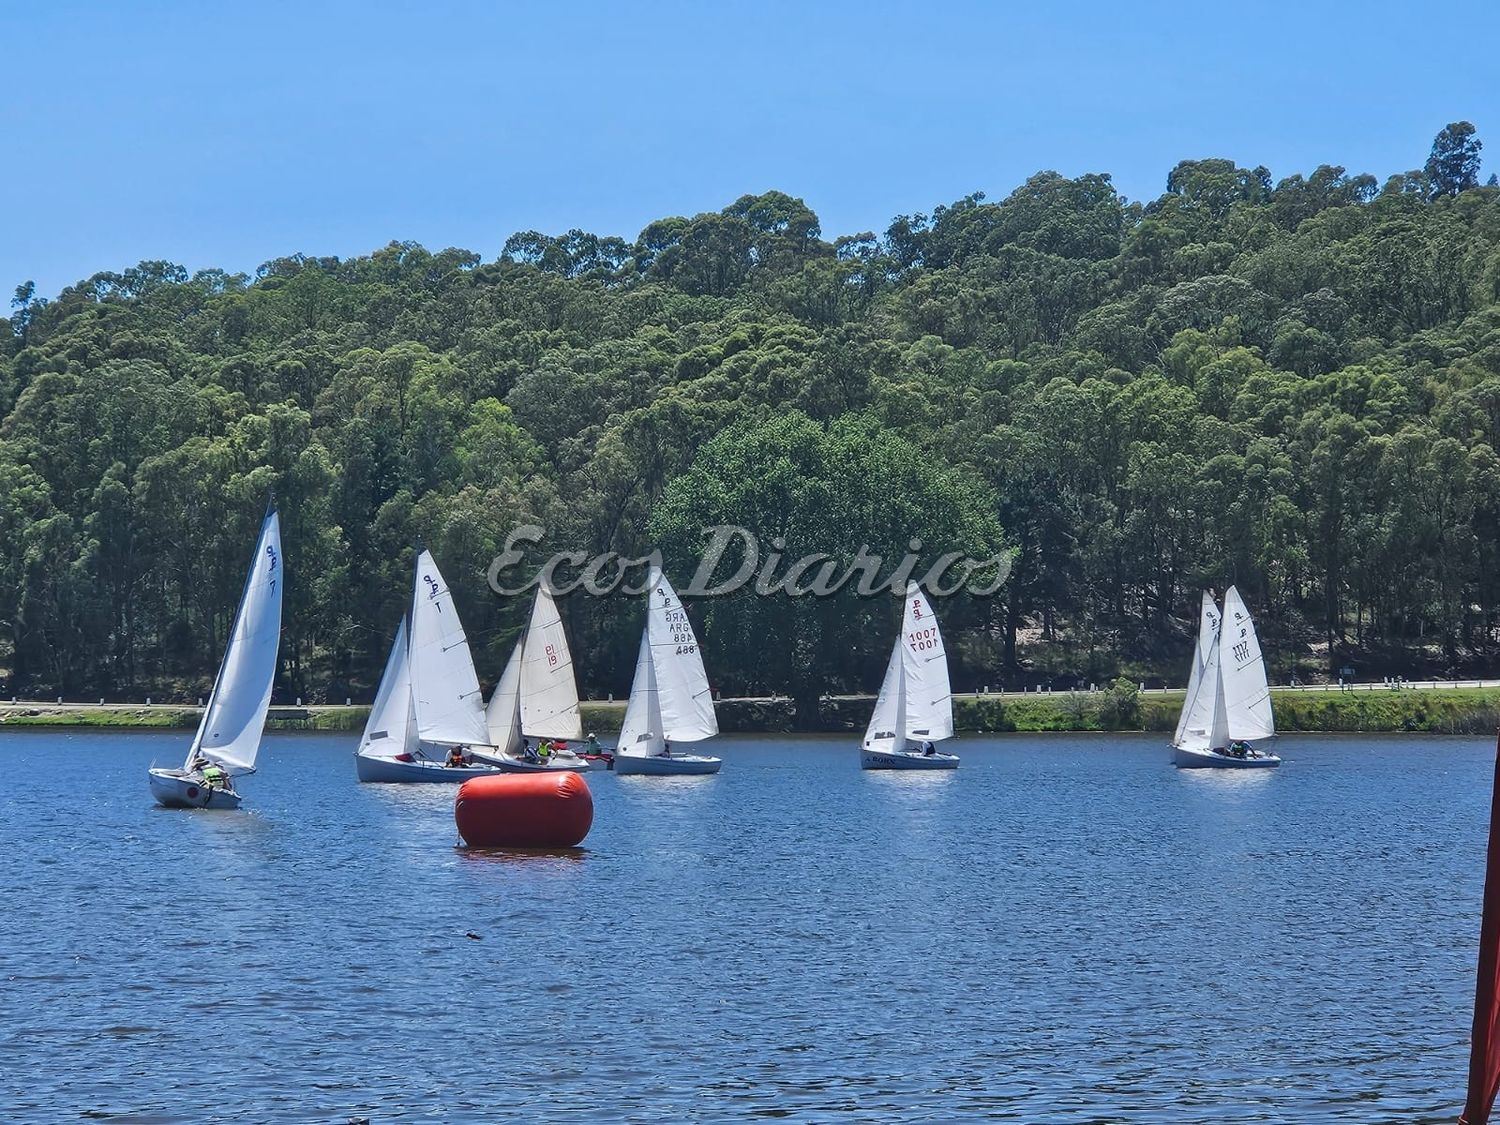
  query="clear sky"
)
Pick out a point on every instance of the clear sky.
point(224, 135)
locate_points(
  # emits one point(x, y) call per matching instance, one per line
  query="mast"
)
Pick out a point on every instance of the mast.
point(1484, 1047)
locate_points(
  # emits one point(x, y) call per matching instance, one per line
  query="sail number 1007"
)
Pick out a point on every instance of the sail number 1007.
point(921, 640)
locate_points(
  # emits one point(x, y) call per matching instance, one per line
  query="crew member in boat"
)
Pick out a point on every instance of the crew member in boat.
point(666, 750)
point(928, 749)
point(528, 751)
point(592, 745)
point(544, 751)
point(214, 777)
point(456, 758)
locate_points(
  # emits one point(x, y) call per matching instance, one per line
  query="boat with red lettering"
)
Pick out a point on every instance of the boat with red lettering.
point(914, 711)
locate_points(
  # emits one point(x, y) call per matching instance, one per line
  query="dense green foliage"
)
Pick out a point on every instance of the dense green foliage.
point(1295, 387)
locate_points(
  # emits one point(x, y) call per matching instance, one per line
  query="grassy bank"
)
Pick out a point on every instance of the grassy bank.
point(124, 716)
point(1429, 710)
point(1466, 710)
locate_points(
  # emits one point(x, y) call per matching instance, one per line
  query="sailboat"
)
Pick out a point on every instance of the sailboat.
point(670, 700)
point(427, 705)
point(536, 697)
point(229, 732)
point(915, 701)
point(1228, 703)
point(389, 749)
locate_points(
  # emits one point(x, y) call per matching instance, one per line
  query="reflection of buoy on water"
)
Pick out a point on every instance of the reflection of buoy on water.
point(524, 810)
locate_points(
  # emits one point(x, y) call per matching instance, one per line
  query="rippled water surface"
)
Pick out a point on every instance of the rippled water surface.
point(1064, 930)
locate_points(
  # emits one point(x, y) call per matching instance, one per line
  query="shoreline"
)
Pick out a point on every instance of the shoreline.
point(1368, 708)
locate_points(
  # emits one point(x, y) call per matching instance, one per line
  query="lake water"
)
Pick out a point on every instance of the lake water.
point(1066, 929)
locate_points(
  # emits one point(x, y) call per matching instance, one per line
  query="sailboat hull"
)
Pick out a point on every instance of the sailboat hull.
point(177, 789)
point(905, 760)
point(371, 768)
point(1213, 759)
point(657, 765)
point(569, 763)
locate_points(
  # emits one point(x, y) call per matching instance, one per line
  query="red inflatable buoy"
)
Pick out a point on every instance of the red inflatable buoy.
point(524, 810)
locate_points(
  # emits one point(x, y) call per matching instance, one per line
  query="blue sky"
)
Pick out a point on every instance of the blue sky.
point(225, 135)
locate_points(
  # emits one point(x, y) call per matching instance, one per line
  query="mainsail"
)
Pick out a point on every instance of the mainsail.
point(445, 688)
point(549, 694)
point(230, 730)
point(683, 696)
point(928, 697)
point(1247, 695)
point(391, 727)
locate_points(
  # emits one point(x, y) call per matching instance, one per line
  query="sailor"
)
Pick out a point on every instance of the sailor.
point(592, 746)
point(456, 757)
point(213, 776)
point(544, 751)
point(666, 750)
point(928, 749)
point(528, 751)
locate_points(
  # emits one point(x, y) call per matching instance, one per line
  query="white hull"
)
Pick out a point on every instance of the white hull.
point(389, 769)
point(511, 763)
point(176, 789)
point(659, 765)
point(905, 760)
point(1219, 759)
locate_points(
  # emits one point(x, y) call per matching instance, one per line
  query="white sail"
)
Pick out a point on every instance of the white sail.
point(549, 694)
point(888, 722)
point(230, 731)
point(928, 697)
point(641, 732)
point(502, 718)
point(1247, 695)
point(389, 728)
point(683, 698)
point(445, 688)
point(1205, 725)
point(1208, 632)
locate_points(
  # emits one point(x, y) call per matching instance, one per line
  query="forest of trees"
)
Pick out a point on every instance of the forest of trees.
point(1292, 386)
